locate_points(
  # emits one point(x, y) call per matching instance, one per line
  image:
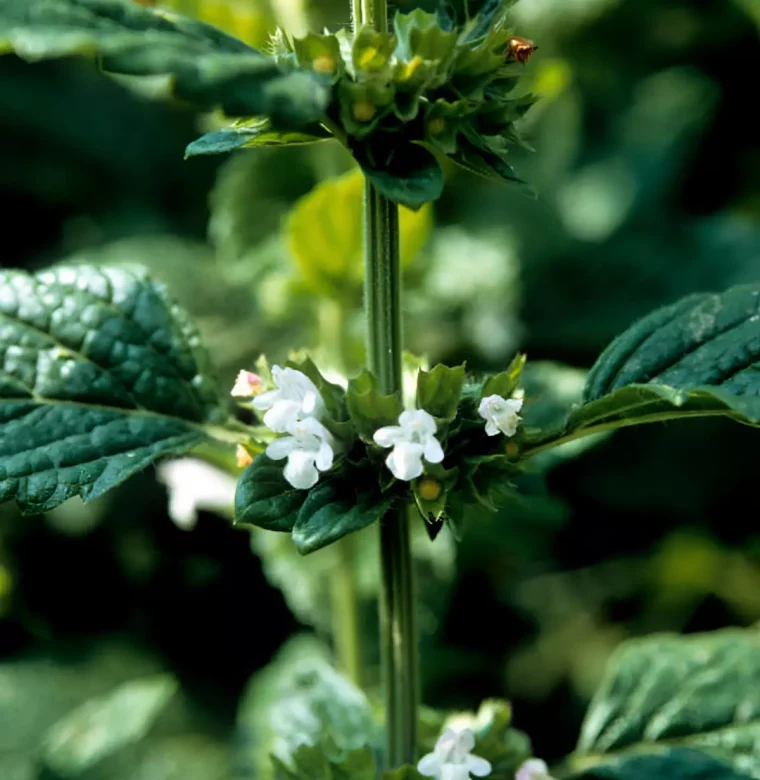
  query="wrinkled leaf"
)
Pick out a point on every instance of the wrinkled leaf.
point(265, 499)
point(334, 508)
point(252, 135)
point(696, 358)
point(300, 700)
point(439, 390)
point(677, 764)
point(208, 67)
point(368, 407)
point(102, 726)
point(325, 235)
point(101, 375)
point(405, 173)
point(697, 691)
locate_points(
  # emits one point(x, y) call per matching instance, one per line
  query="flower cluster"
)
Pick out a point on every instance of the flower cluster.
point(452, 758)
point(294, 407)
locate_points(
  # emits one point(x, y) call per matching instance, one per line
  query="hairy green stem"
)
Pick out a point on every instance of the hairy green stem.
point(345, 612)
point(382, 301)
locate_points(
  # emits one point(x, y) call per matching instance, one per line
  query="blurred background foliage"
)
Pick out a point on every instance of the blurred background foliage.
point(127, 643)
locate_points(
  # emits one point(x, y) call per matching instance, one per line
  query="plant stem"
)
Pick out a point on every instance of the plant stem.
point(382, 301)
point(345, 612)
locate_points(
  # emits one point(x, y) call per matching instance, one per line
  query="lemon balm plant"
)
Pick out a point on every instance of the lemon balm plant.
point(103, 374)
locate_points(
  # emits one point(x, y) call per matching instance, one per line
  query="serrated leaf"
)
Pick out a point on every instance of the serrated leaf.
point(102, 726)
point(403, 172)
point(208, 67)
point(506, 382)
point(252, 135)
point(664, 691)
point(677, 764)
point(300, 700)
point(325, 236)
point(368, 407)
point(335, 507)
point(101, 374)
point(264, 497)
point(439, 390)
point(696, 358)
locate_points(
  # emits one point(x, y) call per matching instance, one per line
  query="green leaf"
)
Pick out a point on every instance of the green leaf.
point(406, 772)
point(677, 764)
point(300, 700)
point(474, 154)
point(703, 340)
point(207, 67)
point(265, 499)
point(325, 236)
point(102, 726)
point(368, 407)
point(665, 691)
point(251, 135)
point(404, 172)
point(101, 375)
point(696, 358)
point(335, 507)
point(439, 390)
point(506, 382)
point(372, 50)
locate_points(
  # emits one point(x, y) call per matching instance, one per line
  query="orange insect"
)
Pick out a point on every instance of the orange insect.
point(520, 49)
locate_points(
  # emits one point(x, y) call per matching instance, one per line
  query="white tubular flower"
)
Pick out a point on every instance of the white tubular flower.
point(308, 450)
point(246, 385)
point(412, 440)
point(194, 485)
point(501, 414)
point(294, 398)
point(533, 769)
point(452, 758)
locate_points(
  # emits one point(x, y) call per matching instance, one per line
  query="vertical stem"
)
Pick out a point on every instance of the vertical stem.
point(345, 612)
point(382, 301)
point(345, 604)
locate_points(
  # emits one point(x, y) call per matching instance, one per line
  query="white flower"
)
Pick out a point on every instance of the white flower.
point(500, 414)
point(452, 759)
point(308, 449)
point(195, 485)
point(246, 385)
point(533, 769)
point(412, 440)
point(294, 398)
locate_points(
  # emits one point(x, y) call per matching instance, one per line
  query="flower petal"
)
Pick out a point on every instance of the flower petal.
point(266, 400)
point(281, 448)
point(447, 741)
point(388, 436)
point(324, 459)
point(433, 450)
point(300, 471)
point(514, 404)
point(429, 765)
point(405, 462)
point(477, 766)
point(492, 429)
point(417, 420)
point(454, 772)
point(533, 769)
point(282, 416)
point(465, 743)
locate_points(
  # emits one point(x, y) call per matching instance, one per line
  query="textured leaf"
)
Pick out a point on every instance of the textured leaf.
point(333, 509)
point(439, 390)
point(208, 67)
point(265, 499)
point(699, 357)
point(404, 172)
point(300, 700)
point(678, 764)
point(103, 726)
point(369, 408)
point(101, 374)
point(252, 135)
point(325, 235)
point(698, 691)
